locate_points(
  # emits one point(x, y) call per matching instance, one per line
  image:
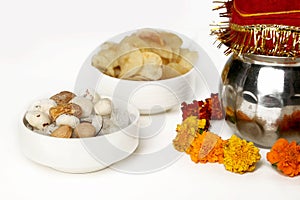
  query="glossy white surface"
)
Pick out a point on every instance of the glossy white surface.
point(43, 46)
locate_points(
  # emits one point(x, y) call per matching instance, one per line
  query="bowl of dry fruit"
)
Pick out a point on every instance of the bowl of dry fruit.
point(152, 69)
point(79, 133)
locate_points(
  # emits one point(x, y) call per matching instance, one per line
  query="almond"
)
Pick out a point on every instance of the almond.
point(63, 131)
point(63, 97)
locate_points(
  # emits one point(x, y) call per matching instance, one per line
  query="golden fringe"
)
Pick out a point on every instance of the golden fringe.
point(268, 39)
point(273, 40)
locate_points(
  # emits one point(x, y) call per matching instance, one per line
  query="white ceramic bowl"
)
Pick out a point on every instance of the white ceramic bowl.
point(82, 155)
point(149, 97)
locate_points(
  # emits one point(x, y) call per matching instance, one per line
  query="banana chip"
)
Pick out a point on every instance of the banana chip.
point(145, 55)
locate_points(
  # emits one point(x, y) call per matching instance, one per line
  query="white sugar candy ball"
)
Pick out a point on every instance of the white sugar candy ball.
point(37, 119)
point(103, 107)
point(91, 95)
point(66, 119)
point(85, 104)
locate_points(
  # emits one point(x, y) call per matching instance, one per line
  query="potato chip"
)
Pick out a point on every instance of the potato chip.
point(124, 48)
point(145, 55)
point(188, 58)
point(156, 43)
point(109, 45)
point(151, 58)
point(151, 71)
point(165, 52)
point(181, 69)
point(172, 46)
point(100, 61)
point(130, 64)
point(151, 35)
point(169, 72)
point(113, 70)
point(110, 71)
point(106, 57)
point(117, 71)
point(134, 41)
point(171, 40)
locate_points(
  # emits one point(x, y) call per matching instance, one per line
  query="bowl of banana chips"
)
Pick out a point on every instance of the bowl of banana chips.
point(153, 69)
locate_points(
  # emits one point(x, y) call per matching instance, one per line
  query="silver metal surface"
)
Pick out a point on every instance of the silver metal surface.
point(261, 96)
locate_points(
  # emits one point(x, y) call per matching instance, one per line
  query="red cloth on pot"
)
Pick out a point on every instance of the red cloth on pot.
point(280, 12)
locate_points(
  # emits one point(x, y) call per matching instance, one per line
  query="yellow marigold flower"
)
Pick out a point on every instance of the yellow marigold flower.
point(186, 132)
point(240, 156)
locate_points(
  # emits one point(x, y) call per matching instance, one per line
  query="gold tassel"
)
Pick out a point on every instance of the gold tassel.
point(274, 40)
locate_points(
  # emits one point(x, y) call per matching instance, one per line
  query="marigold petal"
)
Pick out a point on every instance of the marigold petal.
point(287, 156)
point(240, 156)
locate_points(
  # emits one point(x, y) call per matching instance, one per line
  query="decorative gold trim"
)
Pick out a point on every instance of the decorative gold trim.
point(253, 39)
point(261, 27)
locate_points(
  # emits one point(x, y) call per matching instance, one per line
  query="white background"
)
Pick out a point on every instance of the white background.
point(42, 47)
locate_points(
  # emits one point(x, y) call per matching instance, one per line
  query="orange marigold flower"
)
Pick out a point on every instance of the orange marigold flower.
point(206, 147)
point(240, 156)
point(285, 156)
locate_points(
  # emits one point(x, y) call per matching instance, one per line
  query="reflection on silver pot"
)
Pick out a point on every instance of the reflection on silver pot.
point(261, 96)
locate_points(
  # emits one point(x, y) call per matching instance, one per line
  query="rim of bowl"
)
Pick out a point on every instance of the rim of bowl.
point(136, 114)
point(270, 60)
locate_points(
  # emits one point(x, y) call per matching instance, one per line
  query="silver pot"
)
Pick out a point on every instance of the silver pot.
point(261, 96)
